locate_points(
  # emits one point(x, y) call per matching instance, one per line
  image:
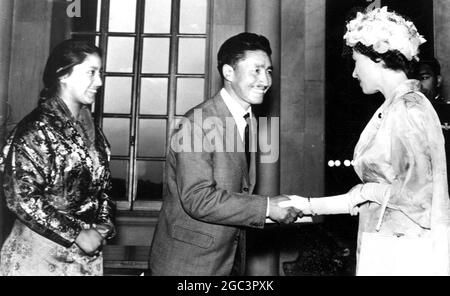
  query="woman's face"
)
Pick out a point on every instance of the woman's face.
point(80, 86)
point(367, 72)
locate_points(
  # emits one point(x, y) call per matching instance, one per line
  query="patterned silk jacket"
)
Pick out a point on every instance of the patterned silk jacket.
point(56, 173)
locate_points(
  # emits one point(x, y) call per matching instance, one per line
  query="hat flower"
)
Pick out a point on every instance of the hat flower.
point(384, 31)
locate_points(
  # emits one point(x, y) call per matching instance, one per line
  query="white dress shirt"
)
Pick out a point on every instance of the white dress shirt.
point(237, 111)
point(238, 115)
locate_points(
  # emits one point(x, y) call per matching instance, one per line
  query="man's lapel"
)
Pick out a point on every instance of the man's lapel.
point(232, 138)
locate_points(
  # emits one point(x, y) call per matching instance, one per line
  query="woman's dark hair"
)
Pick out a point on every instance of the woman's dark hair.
point(61, 61)
point(233, 49)
point(393, 59)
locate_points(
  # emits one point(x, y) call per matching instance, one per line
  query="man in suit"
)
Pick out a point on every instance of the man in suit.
point(210, 177)
point(428, 72)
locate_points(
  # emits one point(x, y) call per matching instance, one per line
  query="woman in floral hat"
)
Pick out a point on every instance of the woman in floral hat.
point(400, 155)
point(56, 174)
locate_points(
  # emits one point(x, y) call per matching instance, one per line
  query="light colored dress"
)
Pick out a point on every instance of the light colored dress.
point(402, 147)
point(56, 180)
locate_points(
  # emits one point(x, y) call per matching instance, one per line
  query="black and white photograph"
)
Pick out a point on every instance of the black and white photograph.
point(224, 144)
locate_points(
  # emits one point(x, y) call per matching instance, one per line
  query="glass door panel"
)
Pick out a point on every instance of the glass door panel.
point(122, 16)
point(193, 16)
point(191, 56)
point(156, 55)
point(117, 95)
point(119, 178)
point(154, 96)
point(157, 16)
point(152, 138)
point(120, 54)
point(190, 92)
point(150, 180)
point(117, 131)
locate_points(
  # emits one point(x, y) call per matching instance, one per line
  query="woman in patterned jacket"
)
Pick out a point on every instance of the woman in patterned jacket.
point(56, 174)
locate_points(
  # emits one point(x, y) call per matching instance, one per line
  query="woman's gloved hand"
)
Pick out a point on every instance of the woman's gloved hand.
point(340, 204)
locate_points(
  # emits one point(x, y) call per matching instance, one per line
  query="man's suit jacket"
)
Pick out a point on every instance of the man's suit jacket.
point(208, 199)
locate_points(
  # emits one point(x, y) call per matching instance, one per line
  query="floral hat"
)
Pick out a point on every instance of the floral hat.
point(384, 31)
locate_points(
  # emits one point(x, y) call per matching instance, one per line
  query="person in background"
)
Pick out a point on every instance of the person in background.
point(56, 173)
point(428, 72)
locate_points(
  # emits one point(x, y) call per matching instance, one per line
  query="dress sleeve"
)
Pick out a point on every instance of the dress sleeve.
point(411, 142)
point(28, 169)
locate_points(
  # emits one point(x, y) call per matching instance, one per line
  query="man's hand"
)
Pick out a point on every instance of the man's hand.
point(299, 202)
point(89, 240)
point(284, 215)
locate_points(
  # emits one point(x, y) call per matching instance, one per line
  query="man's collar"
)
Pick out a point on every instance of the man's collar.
point(235, 109)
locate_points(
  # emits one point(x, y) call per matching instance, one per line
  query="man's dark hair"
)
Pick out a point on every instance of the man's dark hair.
point(431, 62)
point(233, 49)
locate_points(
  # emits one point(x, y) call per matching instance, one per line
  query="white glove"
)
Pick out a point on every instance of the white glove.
point(298, 202)
point(340, 204)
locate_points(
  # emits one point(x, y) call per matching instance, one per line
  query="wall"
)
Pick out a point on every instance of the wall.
point(441, 10)
point(303, 96)
point(36, 27)
point(302, 104)
point(6, 20)
point(227, 19)
point(31, 41)
point(264, 17)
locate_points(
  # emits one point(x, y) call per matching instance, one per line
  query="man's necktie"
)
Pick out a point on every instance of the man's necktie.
point(247, 139)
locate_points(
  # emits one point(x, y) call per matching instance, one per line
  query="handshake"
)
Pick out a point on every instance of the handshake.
point(286, 209)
